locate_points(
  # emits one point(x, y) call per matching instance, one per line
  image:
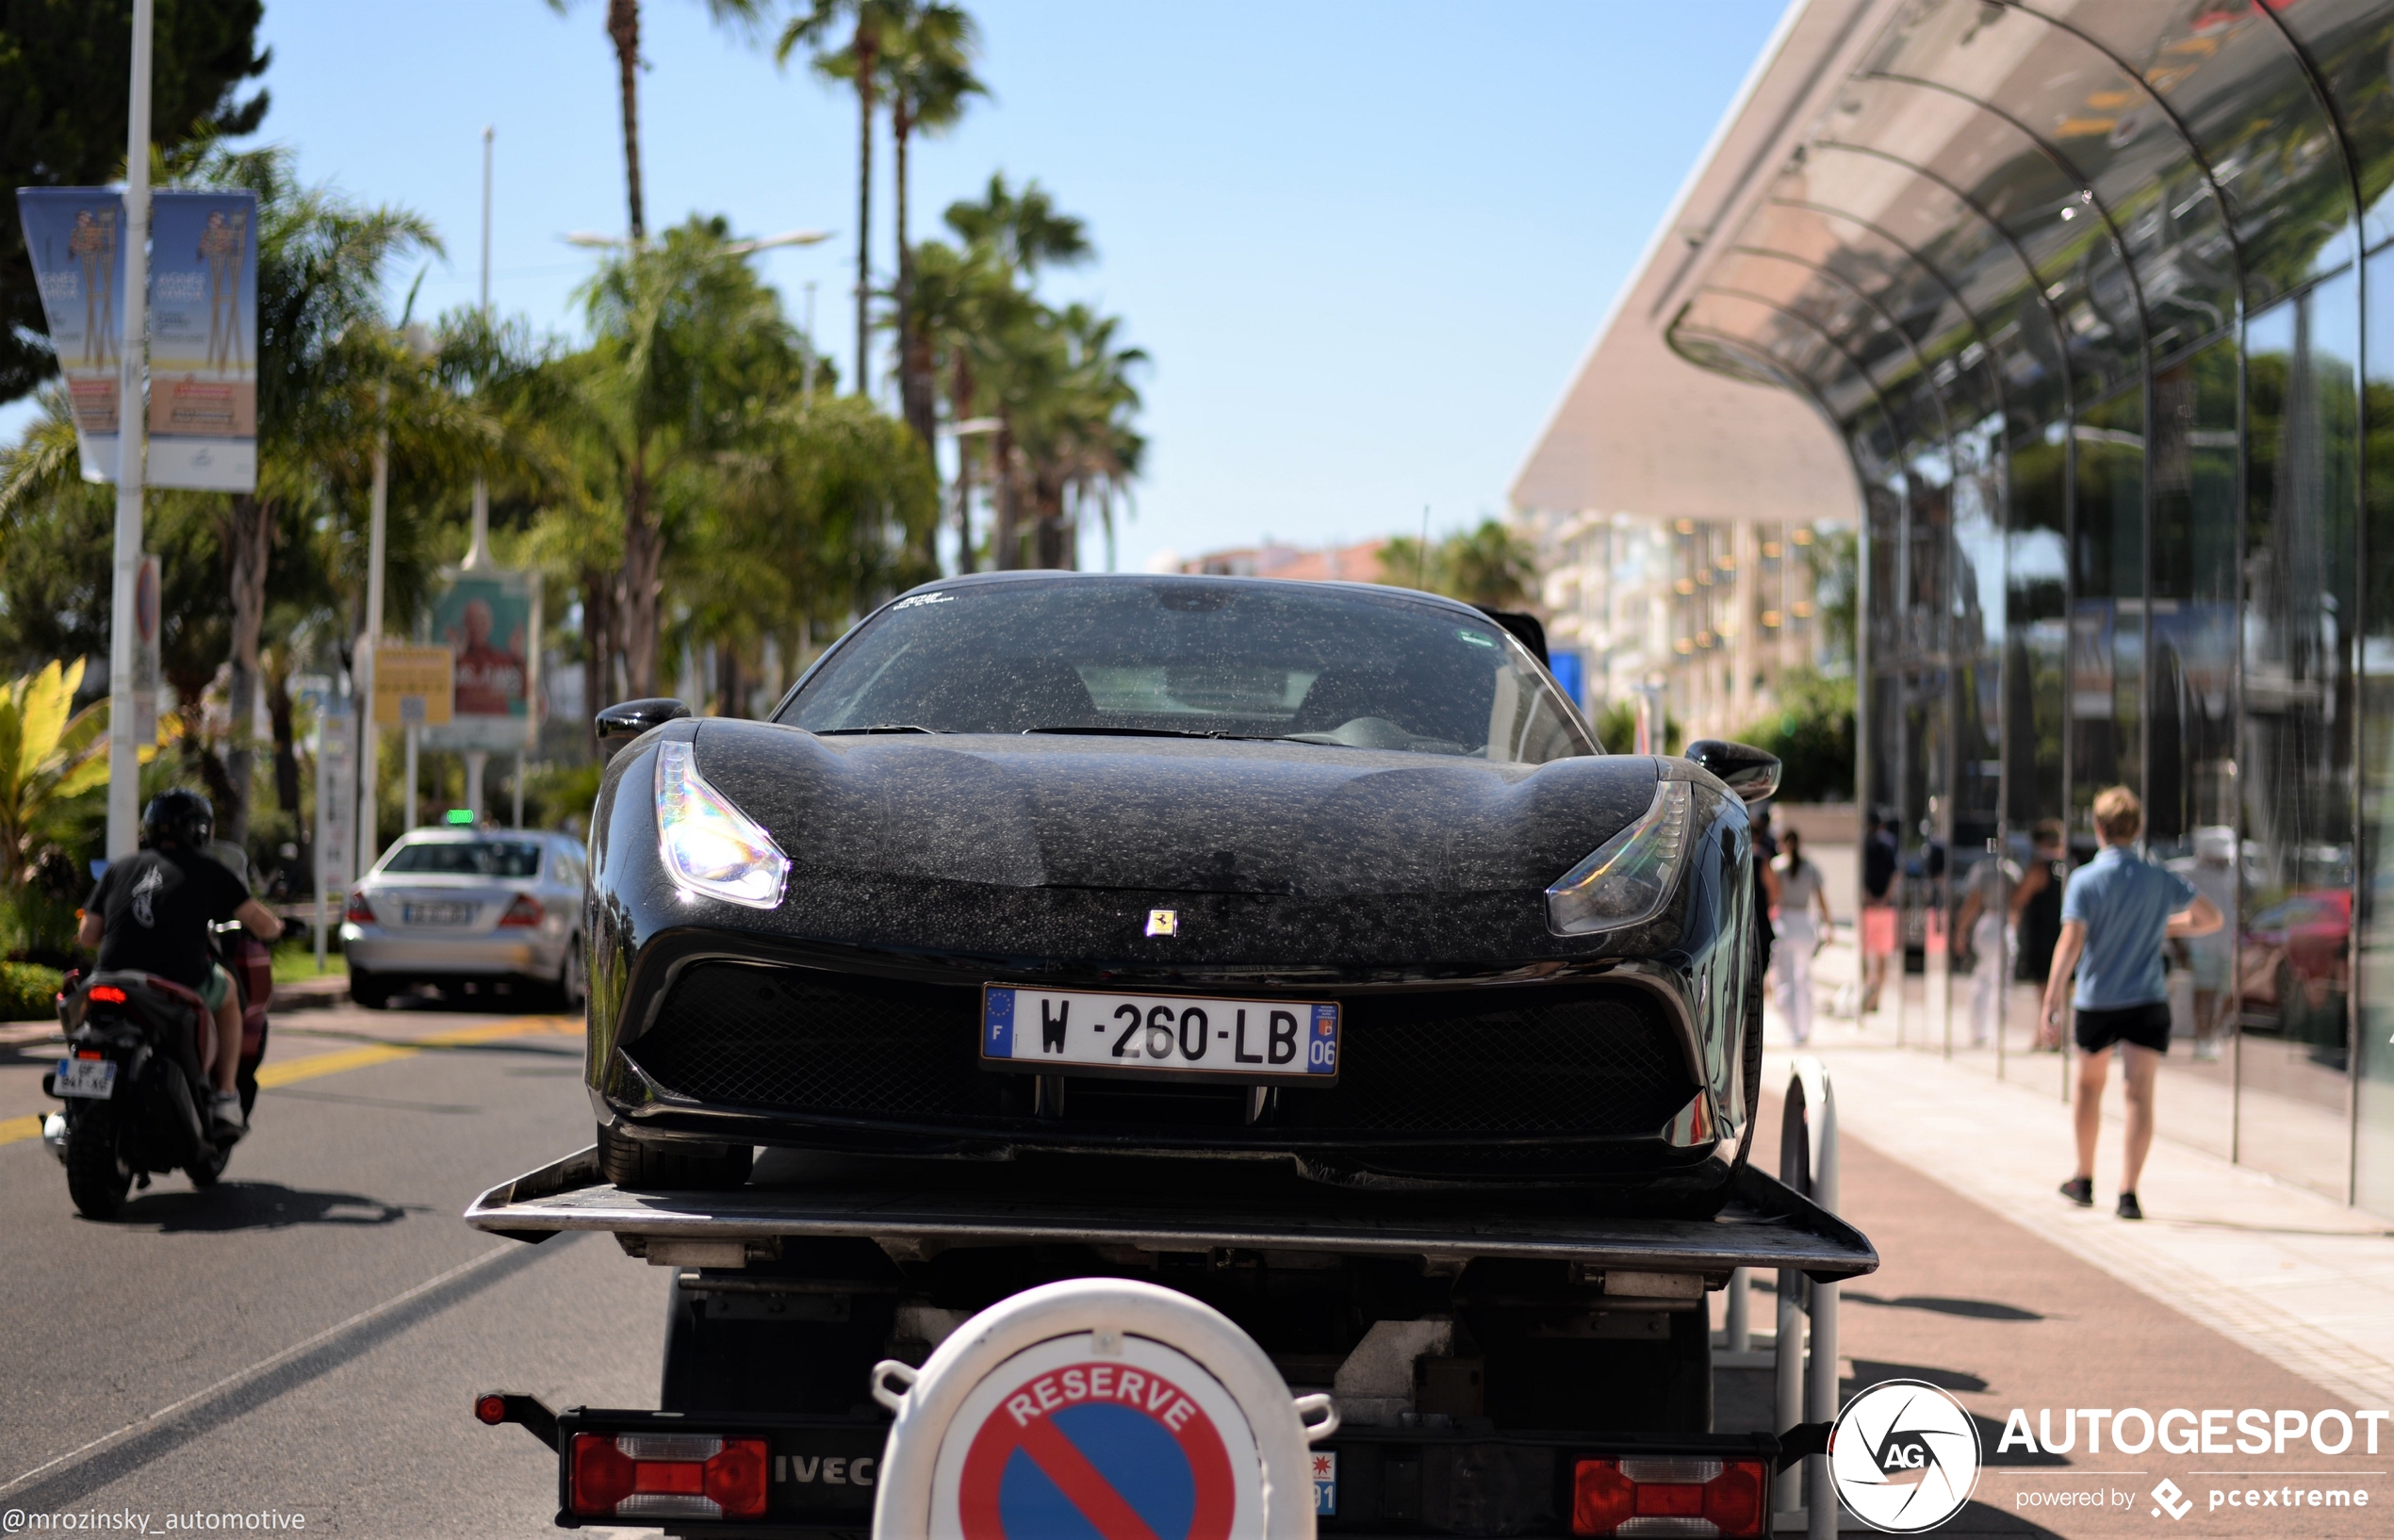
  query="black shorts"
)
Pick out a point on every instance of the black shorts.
point(2147, 1026)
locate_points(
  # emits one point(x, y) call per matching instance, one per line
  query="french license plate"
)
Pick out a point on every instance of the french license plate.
point(91, 1077)
point(1173, 1036)
point(436, 915)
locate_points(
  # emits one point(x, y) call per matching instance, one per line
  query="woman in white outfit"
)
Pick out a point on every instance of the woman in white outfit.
point(1987, 901)
point(1801, 895)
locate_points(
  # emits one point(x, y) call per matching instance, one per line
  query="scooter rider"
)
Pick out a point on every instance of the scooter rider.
point(151, 914)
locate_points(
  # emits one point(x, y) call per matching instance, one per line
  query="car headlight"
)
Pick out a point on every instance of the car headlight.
point(1629, 877)
point(710, 846)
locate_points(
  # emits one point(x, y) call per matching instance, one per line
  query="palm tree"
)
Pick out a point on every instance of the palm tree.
point(686, 343)
point(623, 30)
point(929, 73)
point(1012, 352)
point(871, 26)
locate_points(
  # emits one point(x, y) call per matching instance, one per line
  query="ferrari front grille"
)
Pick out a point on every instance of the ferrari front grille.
point(813, 1042)
point(1583, 1061)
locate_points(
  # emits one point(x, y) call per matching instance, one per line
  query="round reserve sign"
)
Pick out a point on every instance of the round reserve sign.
point(1084, 1438)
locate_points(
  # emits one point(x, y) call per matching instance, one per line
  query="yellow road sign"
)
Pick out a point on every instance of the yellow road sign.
point(413, 686)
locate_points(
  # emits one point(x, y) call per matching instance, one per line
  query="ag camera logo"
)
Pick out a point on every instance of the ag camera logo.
point(1905, 1456)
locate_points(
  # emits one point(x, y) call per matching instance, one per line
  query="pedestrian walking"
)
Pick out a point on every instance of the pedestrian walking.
point(2209, 958)
point(1880, 859)
point(1986, 920)
point(1804, 926)
point(2035, 909)
point(2115, 914)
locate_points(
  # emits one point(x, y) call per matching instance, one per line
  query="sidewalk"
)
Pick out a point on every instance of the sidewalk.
point(2296, 1277)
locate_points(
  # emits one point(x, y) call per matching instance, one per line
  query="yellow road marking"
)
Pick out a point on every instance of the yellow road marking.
point(288, 1071)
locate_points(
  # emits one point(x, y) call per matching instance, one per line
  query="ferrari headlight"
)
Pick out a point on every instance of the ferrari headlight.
point(710, 846)
point(1629, 879)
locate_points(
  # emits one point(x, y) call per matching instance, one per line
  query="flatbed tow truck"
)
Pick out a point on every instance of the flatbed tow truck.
point(1502, 1364)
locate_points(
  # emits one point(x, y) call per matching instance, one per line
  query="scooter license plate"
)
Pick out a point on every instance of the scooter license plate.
point(94, 1078)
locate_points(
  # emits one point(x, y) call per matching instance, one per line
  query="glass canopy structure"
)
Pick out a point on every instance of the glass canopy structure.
point(2099, 299)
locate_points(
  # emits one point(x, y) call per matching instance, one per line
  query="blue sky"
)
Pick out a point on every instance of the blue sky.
point(1365, 243)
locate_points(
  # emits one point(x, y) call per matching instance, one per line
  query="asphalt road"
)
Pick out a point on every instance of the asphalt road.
point(307, 1339)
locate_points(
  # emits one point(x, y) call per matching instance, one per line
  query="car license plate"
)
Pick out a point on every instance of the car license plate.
point(1176, 1036)
point(436, 915)
point(91, 1077)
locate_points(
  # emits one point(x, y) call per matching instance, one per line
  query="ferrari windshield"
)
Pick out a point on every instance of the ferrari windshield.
point(1194, 657)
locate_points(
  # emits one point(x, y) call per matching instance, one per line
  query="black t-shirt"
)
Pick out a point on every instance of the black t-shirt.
point(154, 908)
point(1878, 864)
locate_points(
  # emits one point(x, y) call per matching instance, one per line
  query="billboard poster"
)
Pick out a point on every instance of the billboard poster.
point(72, 237)
point(204, 340)
point(490, 623)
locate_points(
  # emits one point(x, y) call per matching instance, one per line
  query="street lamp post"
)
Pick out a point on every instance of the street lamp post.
point(419, 345)
point(969, 428)
point(133, 421)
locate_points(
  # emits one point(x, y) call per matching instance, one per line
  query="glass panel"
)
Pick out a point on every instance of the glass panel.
point(2373, 1165)
point(2191, 782)
point(1972, 253)
point(2349, 43)
point(2035, 708)
point(2005, 171)
point(2106, 627)
point(1976, 648)
point(2231, 77)
point(2293, 940)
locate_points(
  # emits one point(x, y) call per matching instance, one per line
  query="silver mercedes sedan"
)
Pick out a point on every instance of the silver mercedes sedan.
point(472, 913)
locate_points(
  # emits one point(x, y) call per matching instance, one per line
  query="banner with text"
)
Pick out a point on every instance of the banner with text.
point(204, 340)
point(73, 237)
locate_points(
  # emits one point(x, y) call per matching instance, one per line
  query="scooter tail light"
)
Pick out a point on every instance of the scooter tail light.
point(108, 992)
point(525, 910)
point(359, 913)
point(656, 1476)
point(1670, 1497)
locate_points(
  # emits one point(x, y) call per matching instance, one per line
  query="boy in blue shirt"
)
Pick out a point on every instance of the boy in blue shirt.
point(2114, 915)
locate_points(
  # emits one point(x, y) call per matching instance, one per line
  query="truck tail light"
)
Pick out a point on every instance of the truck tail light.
point(656, 1476)
point(359, 913)
point(1674, 1496)
point(525, 910)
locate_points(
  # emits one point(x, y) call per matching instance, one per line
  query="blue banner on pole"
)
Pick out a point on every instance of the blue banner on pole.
point(204, 340)
point(75, 239)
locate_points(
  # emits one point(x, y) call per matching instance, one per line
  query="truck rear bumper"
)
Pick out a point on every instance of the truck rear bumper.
point(821, 1472)
point(912, 1207)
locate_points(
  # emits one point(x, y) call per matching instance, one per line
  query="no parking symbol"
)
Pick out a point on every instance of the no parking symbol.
point(1065, 1443)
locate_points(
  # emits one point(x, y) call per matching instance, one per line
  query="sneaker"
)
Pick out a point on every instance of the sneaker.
point(2080, 1190)
point(2129, 1207)
point(2207, 1053)
point(225, 1118)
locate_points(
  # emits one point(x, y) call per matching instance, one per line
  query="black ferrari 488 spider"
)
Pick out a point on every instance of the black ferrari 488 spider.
point(1049, 866)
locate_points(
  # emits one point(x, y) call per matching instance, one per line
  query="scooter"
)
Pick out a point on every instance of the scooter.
point(133, 1083)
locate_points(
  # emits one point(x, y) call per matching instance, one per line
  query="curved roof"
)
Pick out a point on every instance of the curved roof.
point(1937, 221)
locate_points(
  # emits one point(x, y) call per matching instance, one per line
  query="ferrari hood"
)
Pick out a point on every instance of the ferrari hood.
point(1165, 814)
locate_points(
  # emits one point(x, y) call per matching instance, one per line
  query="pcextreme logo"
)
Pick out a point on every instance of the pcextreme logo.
point(1905, 1456)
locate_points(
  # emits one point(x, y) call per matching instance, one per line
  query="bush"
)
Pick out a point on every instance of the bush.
point(1812, 734)
point(28, 991)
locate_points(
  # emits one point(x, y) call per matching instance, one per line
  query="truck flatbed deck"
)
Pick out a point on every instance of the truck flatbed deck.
point(927, 1207)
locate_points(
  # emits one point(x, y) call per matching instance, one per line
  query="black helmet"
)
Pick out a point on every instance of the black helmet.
point(182, 816)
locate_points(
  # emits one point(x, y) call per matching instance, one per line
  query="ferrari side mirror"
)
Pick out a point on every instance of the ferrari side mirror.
point(627, 719)
point(1743, 768)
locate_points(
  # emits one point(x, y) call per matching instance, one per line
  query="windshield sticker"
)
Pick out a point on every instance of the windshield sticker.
point(922, 598)
point(1478, 639)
